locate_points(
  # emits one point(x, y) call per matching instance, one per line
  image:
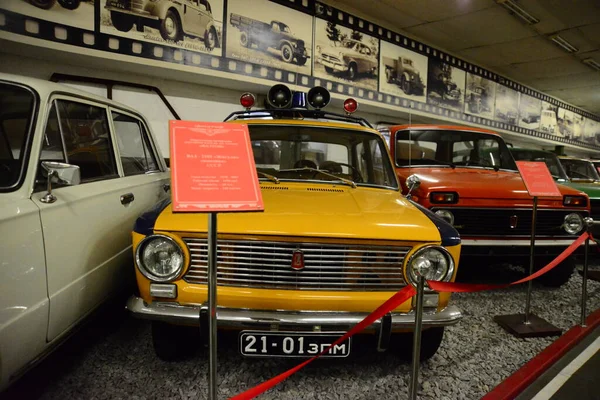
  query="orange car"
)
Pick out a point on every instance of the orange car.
point(468, 177)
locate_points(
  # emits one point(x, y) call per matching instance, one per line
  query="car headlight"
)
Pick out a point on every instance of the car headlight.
point(434, 263)
point(159, 258)
point(446, 216)
point(573, 223)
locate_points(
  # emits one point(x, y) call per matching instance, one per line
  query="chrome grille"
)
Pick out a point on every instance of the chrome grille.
point(137, 5)
point(268, 265)
point(327, 57)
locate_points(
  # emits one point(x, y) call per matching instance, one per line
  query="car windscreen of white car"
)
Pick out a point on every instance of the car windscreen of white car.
point(320, 154)
point(16, 113)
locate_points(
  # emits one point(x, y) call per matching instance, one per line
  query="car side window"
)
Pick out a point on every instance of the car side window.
point(78, 134)
point(137, 156)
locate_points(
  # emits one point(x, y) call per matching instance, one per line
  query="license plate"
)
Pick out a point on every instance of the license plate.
point(292, 344)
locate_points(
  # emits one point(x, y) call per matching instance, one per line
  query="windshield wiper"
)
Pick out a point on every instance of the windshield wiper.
point(344, 180)
point(269, 177)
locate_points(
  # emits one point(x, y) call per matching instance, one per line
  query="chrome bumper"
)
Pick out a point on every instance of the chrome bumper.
point(333, 65)
point(245, 318)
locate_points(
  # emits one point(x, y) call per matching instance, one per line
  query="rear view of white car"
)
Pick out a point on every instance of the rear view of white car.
point(76, 170)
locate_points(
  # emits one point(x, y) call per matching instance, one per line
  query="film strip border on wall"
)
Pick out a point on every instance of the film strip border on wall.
point(60, 33)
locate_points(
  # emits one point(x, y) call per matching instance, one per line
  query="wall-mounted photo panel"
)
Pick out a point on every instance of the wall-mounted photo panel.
point(565, 123)
point(530, 112)
point(445, 85)
point(507, 105)
point(77, 13)
point(268, 34)
point(188, 24)
point(480, 96)
point(591, 131)
point(345, 55)
point(578, 126)
point(549, 119)
point(404, 72)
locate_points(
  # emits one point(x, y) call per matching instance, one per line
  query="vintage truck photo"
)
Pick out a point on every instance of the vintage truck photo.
point(402, 72)
point(352, 57)
point(478, 100)
point(441, 83)
point(274, 35)
point(174, 19)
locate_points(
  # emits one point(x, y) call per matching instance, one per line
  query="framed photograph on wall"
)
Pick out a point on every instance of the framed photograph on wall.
point(530, 112)
point(591, 131)
point(445, 85)
point(549, 119)
point(566, 123)
point(188, 24)
point(507, 105)
point(269, 34)
point(345, 55)
point(404, 72)
point(76, 13)
point(480, 96)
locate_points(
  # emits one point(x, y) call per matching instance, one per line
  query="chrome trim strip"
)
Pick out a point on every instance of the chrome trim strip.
point(527, 242)
point(242, 318)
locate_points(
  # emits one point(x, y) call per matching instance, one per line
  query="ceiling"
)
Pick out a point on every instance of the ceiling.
point(485, 33)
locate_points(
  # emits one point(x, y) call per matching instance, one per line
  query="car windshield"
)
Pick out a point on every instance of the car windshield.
point(319, 154)
point(452, 148)
point(551, 160)
point(16, 111)
point(580, 169)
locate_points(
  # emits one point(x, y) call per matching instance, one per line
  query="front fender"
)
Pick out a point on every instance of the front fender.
point(160, 10)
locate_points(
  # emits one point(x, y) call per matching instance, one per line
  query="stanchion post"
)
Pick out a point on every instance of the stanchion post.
point(589, 222)
point(416, 356)
point(212, 305)
point(531, 260)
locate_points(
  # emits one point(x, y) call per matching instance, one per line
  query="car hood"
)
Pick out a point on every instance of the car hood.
point(474, 183)
point(592, 189)
point(335, 51)
point(317, 211)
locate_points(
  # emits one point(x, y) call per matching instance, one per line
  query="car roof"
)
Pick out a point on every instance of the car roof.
point(529, 149)
point(442, 127)
point(45, 88)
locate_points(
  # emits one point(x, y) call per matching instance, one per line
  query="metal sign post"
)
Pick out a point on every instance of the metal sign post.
point(212, 305)
point(416, 356)
point(539, 182)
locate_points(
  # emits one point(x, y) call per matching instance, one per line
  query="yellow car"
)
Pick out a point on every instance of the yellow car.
point(336, 239)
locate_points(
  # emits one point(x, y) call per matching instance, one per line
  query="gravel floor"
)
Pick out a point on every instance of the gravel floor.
point(112, 357)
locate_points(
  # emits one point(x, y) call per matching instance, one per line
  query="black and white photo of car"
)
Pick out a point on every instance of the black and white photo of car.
point(549, 119)
point(404, 72)
point(480, 96)
point(530, 110)
point(507, 105)
point(269, 34)
point(75, 13)
point(190, 24)
point(346, 55)
point(446, 85)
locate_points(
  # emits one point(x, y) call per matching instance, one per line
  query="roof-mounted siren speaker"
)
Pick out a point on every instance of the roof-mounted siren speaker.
point(279, 96)
point(318, 97)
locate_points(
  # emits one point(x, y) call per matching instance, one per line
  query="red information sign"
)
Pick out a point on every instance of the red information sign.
point(537, 178)
point(212, 168)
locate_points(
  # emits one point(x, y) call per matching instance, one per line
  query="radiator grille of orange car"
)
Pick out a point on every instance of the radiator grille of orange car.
point(268, 265)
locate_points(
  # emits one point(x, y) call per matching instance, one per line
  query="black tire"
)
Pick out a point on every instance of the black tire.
point(244, 39)
point(406, 86)
point(170, 27)
point(287, 53)
point(352, 71)
point(121, 22)
point(558, 275)
point(43, 4)
point(431, 340)
point(210, 39)
point(70, 4)
point(173, 342)
point(329, 70)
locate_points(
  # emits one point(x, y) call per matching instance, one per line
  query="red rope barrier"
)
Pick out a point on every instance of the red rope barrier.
point(395, 301)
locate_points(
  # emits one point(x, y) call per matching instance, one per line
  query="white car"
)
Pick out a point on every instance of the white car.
point(76, 171)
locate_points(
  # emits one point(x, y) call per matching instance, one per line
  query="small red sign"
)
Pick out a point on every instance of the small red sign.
point(212, 168)
point(537, 178)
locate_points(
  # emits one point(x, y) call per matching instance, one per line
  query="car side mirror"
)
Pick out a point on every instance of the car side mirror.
point(65, 174)
point(412, 182)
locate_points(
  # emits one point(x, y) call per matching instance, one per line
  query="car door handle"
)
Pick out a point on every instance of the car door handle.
point(127, 198)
